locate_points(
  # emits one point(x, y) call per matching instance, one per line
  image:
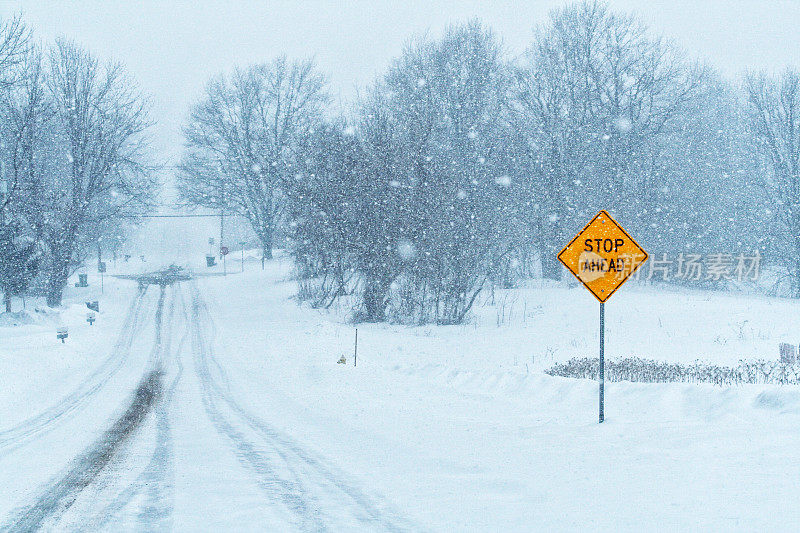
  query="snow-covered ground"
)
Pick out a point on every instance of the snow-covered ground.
point(438, 428)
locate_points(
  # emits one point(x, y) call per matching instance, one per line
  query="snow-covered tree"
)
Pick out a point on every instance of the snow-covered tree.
point(242, 141)
point(419, 197)
point(775, 115)
point(594, 94)
point(99, 121)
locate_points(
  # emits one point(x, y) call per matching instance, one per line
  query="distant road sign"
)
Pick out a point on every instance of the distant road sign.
point(602, 256)
point(224, 250)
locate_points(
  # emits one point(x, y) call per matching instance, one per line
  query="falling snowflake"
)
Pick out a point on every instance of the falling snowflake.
point(623, 125)
point(503, 181)
point(406, 250)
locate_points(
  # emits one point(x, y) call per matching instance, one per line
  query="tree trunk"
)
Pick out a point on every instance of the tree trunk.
point(551, 268)
point(548, 257)
point(797, 279)
point(57, 280)
point(7, 300)
point(548, 235)
point(375, 299)
point(266, 243)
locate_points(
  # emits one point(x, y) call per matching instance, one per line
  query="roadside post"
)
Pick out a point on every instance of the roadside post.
point(101, 268)
point(602, 256)
point(241, 244)
point(223, 250)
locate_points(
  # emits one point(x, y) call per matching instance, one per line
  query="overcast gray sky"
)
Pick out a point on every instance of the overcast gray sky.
point(172, 47)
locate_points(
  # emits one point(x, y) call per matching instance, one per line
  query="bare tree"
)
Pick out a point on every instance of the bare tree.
point(26, 114)
point(29, 140)
point(594, 95)
point(14, 39)
point(775, 114)
point(242, 140)
point(100, 119)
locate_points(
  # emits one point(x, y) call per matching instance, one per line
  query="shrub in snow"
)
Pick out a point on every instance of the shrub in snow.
point(649, 371)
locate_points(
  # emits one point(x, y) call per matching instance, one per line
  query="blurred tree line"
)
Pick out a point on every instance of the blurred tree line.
point(460, 169)
point(72, 160)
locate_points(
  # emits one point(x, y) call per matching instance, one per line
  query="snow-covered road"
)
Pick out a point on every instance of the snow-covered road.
point(220, 406)
point(182, 446)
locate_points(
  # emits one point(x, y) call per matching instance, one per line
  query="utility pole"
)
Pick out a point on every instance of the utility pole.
point(221, 229)
point(3, 184)
point(221, 215)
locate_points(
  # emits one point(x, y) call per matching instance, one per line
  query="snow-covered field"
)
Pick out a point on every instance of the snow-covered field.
point(438, 428)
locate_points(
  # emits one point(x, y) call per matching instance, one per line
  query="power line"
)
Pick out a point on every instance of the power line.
point(180, 216)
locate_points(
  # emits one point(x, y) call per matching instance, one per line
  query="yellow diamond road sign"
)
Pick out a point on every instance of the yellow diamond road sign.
point(602, 256)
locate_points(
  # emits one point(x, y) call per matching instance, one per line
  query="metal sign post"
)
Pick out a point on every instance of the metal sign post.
point(355, 350)
point(602, 256)
point(223, 251)
point(602, 357)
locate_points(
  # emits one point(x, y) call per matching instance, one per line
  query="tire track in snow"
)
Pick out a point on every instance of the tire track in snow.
point(288, 493)
point(88, 466)
point(310, 475)
point(16, 436)
point(157, 478)
point(62, 494)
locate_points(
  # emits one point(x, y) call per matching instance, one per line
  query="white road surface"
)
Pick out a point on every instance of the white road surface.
point(219, 405)
point(195, 452)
